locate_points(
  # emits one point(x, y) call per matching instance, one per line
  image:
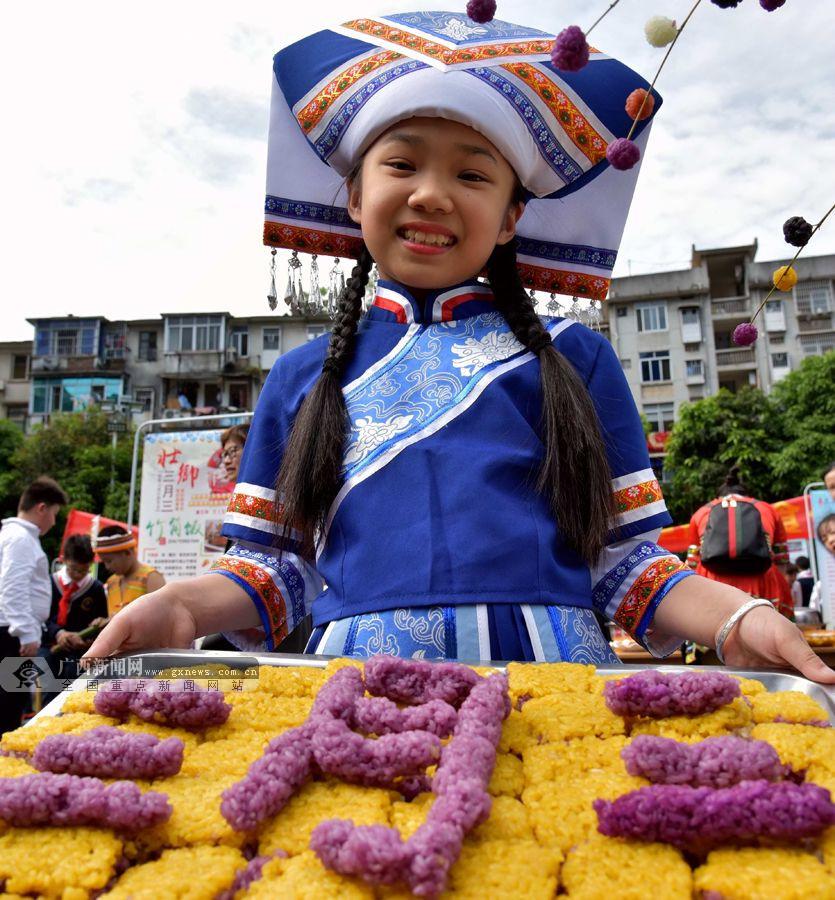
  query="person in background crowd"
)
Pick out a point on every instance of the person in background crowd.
point(79, 602)
point(791, 571)
point(741, 542)
point(232, 443)
point(826, 532)
point(131, 579)
point(25, 588)
point(829, 479)
point(802, 587)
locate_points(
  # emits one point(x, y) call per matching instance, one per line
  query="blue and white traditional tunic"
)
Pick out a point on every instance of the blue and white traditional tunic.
point(438, 544)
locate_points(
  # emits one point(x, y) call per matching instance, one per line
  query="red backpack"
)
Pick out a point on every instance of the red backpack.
point(734, 540)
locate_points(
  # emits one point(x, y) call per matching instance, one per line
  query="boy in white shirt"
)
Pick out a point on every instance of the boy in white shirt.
point(25, 585)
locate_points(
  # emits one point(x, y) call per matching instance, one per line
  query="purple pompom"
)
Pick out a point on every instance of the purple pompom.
point(481, 11)
point(797, 231)
point(623, 154)
point(699, 819)
point(659, 694)
point(69, 800)
point(571, 50)
point(745, 334)
point(771, 5)
point(108, 752)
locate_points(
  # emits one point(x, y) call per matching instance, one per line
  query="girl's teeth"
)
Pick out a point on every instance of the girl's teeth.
point(430, 238)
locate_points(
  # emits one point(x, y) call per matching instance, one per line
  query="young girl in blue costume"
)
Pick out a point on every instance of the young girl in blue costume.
point(455, 476)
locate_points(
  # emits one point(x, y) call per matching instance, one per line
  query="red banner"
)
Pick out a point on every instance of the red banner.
point(80, 522)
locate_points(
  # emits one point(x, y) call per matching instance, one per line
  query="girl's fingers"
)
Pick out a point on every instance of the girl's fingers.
point(110, 641)
point(802, 657)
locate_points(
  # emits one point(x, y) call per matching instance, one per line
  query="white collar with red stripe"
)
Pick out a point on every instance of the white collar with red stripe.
point(394, 303)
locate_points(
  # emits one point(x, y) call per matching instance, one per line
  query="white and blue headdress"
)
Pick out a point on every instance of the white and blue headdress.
point(336, 91)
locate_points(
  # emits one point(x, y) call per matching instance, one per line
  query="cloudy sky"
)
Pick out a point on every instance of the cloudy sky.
point(134, 148)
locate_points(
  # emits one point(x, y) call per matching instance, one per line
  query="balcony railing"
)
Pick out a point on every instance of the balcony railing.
point(819, 323)
point(732, 307)
point(734, 359)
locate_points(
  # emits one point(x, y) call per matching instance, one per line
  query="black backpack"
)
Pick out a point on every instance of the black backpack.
point(734, 540)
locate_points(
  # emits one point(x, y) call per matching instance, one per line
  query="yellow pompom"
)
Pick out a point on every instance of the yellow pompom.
point(785, 278)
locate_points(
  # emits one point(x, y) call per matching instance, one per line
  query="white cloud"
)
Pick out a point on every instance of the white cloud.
point(135, 142)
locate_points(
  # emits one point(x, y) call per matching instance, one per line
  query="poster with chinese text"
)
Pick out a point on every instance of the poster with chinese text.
point(184, 497)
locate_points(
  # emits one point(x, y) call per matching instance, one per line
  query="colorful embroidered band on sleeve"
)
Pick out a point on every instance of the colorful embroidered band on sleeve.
point(630, 592)
point(282, 588)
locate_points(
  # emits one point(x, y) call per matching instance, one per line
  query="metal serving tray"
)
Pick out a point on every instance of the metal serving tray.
point(773, 679)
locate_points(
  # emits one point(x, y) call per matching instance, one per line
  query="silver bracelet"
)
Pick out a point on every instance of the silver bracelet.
point(733, 619)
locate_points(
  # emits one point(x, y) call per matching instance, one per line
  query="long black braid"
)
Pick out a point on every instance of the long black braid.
point(309, 477)
point(575, 471)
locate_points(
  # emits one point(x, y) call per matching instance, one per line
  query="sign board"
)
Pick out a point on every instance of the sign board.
point(116, 426)
point(184, 496)
point(822, 507)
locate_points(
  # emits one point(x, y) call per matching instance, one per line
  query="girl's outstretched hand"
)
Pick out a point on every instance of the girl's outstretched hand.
point(764, 637)
point(159, 619)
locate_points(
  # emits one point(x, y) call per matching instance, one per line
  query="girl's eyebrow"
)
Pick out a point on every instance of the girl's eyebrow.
point(415, 140)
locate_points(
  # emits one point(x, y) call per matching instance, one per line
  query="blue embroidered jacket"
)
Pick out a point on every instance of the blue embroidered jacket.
point(438, 505)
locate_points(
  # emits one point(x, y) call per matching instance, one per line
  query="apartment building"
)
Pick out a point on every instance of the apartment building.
point(176, 363)
point(672, 330)
point(15, 386)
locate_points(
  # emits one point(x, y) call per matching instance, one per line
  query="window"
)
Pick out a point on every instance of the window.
point(626, 364)
point(652, 316)
point(776, 339)
point(239, 395)
point(780, 360)
point(813, 297)
point(272, 338)
point(695, 369)
point(690, 315)
point(655, 366)
point(661, 416)
point(20, 367)
point(774, 306)
point(146, 397)
point(239, 339)
point(66, 342)
point(148, 346)
point(50, 395)
point(817, 344)
point(622, 311)
point(314, 331)
point(17, 415)
point(189, 333)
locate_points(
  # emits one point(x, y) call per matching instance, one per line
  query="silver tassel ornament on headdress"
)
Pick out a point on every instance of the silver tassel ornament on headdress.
point(336, 284)
point(314, 296)
point(272, 294)
point(294, 294)
point(594, 316)
point(553, 306)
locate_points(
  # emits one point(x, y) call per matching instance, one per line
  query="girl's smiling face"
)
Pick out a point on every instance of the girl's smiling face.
point(433, 199)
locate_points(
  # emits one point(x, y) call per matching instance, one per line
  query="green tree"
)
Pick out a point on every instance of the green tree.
point(75, 449)
point(804, 402)
point(713, 434)
point(11, 438)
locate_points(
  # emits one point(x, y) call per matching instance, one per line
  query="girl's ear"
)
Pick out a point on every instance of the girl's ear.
point(512, 216)
point(354, 201)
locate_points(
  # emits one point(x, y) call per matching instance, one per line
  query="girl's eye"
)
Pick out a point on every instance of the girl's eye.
point(400, 165)
point(472, 176)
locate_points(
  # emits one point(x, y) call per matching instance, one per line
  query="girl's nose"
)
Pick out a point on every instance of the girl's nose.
point(430, 195)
